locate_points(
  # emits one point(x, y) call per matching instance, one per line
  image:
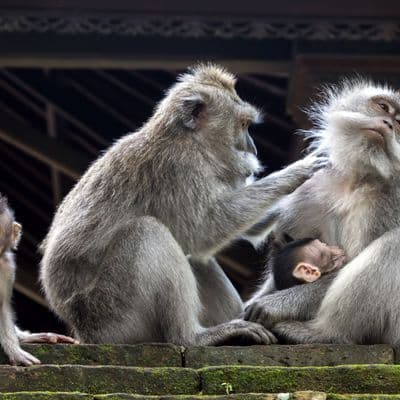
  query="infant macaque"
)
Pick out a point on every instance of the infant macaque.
point(302, 261)
point(10, 335)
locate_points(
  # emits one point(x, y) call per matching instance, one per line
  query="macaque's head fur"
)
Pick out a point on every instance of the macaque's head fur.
point(358, 124)
point(204, 109)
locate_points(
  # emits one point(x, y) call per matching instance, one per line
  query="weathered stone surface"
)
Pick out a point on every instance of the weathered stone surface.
point(396, 355)
point(45, 396)
point(309, 395)
point(341, 379)
point(242, 396)
point(297, 355)
point(101, 379)
point(146, 355)
point(332, 396)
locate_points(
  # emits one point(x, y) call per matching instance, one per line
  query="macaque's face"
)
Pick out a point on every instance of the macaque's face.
point(362, 129)
point(318, 258)
point(10, 232)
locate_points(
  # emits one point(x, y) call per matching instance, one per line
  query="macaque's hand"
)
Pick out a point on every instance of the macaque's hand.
point(22, 357)
point(315, 161)
point(262, 312)
point(48, 337)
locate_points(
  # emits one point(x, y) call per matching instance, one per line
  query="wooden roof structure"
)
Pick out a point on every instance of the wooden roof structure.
point(76, 75)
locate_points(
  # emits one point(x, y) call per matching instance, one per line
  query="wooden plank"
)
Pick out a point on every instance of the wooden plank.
point(304, 8)
point(310, 71)
point(48, 150)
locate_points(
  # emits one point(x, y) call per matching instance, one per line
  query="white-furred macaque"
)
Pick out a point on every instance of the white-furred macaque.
point(354, 204)
point(10, 335)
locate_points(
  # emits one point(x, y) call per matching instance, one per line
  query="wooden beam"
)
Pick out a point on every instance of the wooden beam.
point(27, 283)
point(257, 8)
point(311, 70)
point(125, 61)
point(48, 150)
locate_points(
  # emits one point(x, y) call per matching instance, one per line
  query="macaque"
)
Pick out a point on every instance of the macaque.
point(302, 261)
point(10, 335)
point(129, 257)
point(354, 204)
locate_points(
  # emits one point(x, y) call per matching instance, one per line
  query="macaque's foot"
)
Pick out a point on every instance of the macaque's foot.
point(48, 337)
point(261, 312)
point(236, 332)
point(22, 357)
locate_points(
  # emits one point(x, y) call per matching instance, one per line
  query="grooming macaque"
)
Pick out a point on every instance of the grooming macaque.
point(129, 256)
point(354, 204)
point(295, 262)
point(10, 335)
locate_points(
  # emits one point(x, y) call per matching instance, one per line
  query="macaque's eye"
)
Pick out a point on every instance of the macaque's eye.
point(384, 107)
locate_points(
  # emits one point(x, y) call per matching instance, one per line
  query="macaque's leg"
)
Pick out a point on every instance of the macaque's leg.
point(297, 332)
point(220, 300)
point(9, 340)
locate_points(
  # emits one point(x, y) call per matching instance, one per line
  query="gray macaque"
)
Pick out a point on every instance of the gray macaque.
point(10, 335)
point(129, 255)
point(354, 204)
point(295, 262)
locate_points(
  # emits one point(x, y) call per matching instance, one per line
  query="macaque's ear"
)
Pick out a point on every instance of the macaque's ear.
point(16, 234)
point(287, 238)
point(306, 272)
point(193, 111)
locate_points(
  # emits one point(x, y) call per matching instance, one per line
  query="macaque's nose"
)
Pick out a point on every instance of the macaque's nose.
point(388, 124)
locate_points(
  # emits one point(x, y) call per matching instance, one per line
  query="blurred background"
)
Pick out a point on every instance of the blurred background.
point(76, 75)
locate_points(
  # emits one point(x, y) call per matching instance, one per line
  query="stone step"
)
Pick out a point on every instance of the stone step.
point(305, 395)
point(211, 380)
point(100, 379)
point(126, 396)
point(338, 379)
point(158, 355)
point(148, 355)
point(283, 355)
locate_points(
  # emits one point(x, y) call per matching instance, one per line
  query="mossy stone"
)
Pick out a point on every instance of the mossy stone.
point(340, 379)
point(141, 355)
point(100, 379)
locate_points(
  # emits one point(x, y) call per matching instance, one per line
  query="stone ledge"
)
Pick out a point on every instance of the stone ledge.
point(100, 379)
point(209, 381)
point(340, 379)
point(168, 355)
point(305, 395)
point(149, 355)
point(309, 395)
point(281, 355)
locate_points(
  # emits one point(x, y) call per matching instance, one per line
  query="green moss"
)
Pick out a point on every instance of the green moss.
point(100, 379)
point(141, 355)
point(334, 396)
point(45, 396)
point(341, 379)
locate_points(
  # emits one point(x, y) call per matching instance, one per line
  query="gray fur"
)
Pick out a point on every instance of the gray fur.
point(9, 333)
point(354, 204)
point(115, 261)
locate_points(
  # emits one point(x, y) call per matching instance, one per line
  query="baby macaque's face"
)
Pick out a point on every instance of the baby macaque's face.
point(327, 258)
point(318, 258)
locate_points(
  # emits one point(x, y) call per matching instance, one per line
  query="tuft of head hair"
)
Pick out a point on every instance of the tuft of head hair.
point(210, 74)
point(3, 204)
